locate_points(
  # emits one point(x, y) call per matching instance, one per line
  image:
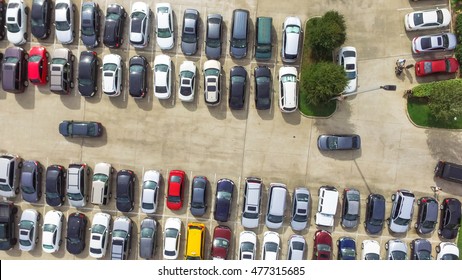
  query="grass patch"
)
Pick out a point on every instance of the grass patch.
point(420, 114)
point(459, 242)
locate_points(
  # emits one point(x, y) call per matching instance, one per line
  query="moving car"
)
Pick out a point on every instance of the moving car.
point(175, 190)
point(121, 238)
point(270, 248)
point(55, 183)
point(187, 81)
point(62, 71)
point(37, 66)
point(64, 21)
point(14, 70)
point(252, 201)
point(322, 247)
point(396, 250)
point(165, 29)
point(427, 215)
point(247, 245)
point(223, 200)
point(347, 58)
point(7, 225)
point(237, 84)
point(125, 184)
point(52, 227)
point(332, 142)
point(150, 191)
point(221, 242)
point(401, 212)
point(90, 24)
point(172, 234)
point(28, 225)
point(421, 249)
point(263, 84)
point(138, 76)
point(212, 82)
point(190, 32)
point(77, 180)
point(112, 74)
point(31, 181)
point(140, 25)
point(16, 22)
point(80, 129)
point(114, 26)
point(10, 166)
point(88, 73)
point(375, 213)
point(288, 96)
point(427, 67)
point(198, 204)
point(99, 235)
point(447, 251)
point(296, 248)
point(300, 208)
point(148, 237)
point(434, 43)
point(276, 205)
point(101, 183)
point(327, 206)
point(428, 19)
point(40, 18)
point(76, 232)
point(450, 218)
point(370, 250)
point(346, 248)
point(350, 209)
point(291, 34)
point(162, 76)
point(213, 35)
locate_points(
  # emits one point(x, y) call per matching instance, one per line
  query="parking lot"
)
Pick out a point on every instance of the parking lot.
point(219, 143)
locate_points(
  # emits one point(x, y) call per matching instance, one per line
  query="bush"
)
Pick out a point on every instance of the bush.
point(458, 53)
point(425, 90)
point(458, 27)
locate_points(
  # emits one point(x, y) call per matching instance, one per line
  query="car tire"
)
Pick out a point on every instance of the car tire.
point(73, 7)
point(16, 191)
point(25, 36)
point(416, 226)
point(60, 242)
point(393, 197)
point(47, 78)
point(26, 56)
point(38, 217)
point(20, 165)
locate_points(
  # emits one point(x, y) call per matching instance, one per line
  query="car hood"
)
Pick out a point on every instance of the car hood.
point(64, 36)
point(249, 223)
point(213, 53)
point(38, 31)
point(188, 48)
point(90, 41)
point(239, 52)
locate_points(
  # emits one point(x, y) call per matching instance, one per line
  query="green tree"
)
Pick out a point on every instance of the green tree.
point(321, 81)
point(445, 101)
point(326, 34)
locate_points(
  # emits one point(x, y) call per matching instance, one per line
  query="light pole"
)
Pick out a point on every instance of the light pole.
point(385, 87)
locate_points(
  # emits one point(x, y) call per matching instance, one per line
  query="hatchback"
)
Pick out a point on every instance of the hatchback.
point(247, 245)
point(396, 250)
point(176, 181)
point(16, 22)
point(88, 73)
point(223, 200)
point(37, 66)
point(148, 237)
point(346, 248)
point(213, 35)
point(100, 227)
point(427, 215)
point(212, 82)
point(64, 21)
point(80, 129)
point(52, 227)
point(62, 71)
point(125, 184)
point(27, 230)
point(31, 181)
point(114, 26)
point(237, 84)
point(288, 96)
point(138, 76)
point(434, 43)
point(300, 208)
point(276, 205)
point(190, 32)
point(332, 142)
point(375, 213)
point(221, 242)
point(162, 76)
point(296, 248)
point(252, 201)
point(291, 34)
point(322, 247)
point(421, 249)
point(198, 204)
point(271, 246)
point(14, 70)
point(450, 218)
point(121, 238)
point(76, 232)
point(140, 25)
point(112, 74)
point(263, 82)
point(429, 19)
point(40, 18)
point(350, 209)
point(401, 212)
point(150, 191)
point(165, 29)
point(187, 81)
point(172, 234)
point(55, 183)
point(90, 24)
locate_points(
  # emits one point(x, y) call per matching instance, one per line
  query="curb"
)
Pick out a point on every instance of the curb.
point(426, 127)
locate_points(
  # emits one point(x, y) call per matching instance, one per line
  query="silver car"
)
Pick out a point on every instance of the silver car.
point(332, 142)
point(296, 247)
point(350, 209)
point(300, 209)
point(434, 43)
point(121, 235)
point(396, 249)
point(148, 236)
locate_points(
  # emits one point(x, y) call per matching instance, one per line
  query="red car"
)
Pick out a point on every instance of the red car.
point(322, 249)
point(427, 67)
point(37, 67)
point(221, 242)
point(175, 189)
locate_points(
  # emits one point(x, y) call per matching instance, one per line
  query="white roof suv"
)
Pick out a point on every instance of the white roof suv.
point(77, 178)
point(140, 25)
point(16, 22)
point(251, 204)
point(276, 205)
point(288, 98)
point(99, 235)
point(165, 30)
point(10, 166)
point(64, 21)
point(401, 211)
point(327, 206)
point(112, 74)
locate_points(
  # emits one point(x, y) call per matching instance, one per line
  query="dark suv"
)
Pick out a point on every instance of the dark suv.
point(427, 215)
point(55, 183)
point(76, 231)
point(450, 218)
point(40, 17)
point(375, 213)
point(7, 225)
point(14, 70)
point(449, 171)
point(125, 190)
point(114, 26)
point(89, 24)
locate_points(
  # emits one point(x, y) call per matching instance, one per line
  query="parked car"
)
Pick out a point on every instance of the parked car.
point(350, 209)
point(187, 81)
point(332, 142)
point(3, 6)
point(140, 25)
point(162, 76)
point(239, 39)
point(52, 227)
point(165, 29)
point(375, 213)
point(448, 171)
point(14, 70)
point(447, 251)
point(270, 248)
point(7, 225)
point(40, 18)
point(347, 58)
point(291, 34)
point(90, 24)
point(80, 129)
point(421, 249)
point(434, 43)
point(247, 245)
point(427, 67)
point(112, 74)
point(114, 26)
point(427, 215)
point(190, 32)
point(370, 250)
point(401, 212)
point(296, 248)
point(62, 71)
point(276, 205)
point(223, 200)
point(88, 69)
point(125, 184)
point(450, 218)
point(101, 183)
point(263, 87)
point(64, 21)
point(138, 76)
point(76, 232)
point(396, 250)
point(37, 66)
point(221, 242)
point(121, 238)
point(198, 204)
point(300, 208)
point(252, 201)
point(346, 248)
point(55, 183)
point(77, 181)
point(10, 166)
point(288, 96)
point(195, 241)
point(27, 229)
point(172, 234)
point(322, 247)
point(428, 19)
point(237, 85)
point(148, 238)
point(212, 82)
point(213, 36)
point(150, 191)
point(100, 228)
point(327, 206)
point(31, 181)
point(16, 22)
point(175, 190)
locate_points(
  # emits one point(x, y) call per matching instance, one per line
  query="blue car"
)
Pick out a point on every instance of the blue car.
point(346, 248)
point(223, 200)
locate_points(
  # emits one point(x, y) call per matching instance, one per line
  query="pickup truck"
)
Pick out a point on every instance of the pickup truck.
point(7, 225)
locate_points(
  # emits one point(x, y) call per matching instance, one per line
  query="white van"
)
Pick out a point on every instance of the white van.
point(9, 175)
point(276, 205)
point(327, 206)
point(251, 205)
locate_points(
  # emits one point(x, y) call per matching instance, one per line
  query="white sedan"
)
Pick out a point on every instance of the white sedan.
point(429, 19)
point(164, 31)
point(16, 22)
point(271, 246)
point(447, 251)
point(112, 74)
point(296, 247)
point(162, 76)
point(347, 58)
point(150, 191)
point(247, 245)
point(99, 235)
point(288, 97)
point(140, 25)
point(28, 229)
point(52, 227)
point(434, 43)
point(187, 81)
point(172, 234)
point(212, 82)
point(64, 21)
point(370, 250)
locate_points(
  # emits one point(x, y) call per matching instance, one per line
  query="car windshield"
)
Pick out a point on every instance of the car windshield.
point(300, 218)
point(171, 233)
point(147, 232)
point(212, 72)
point(450, 257)
point(271, 247)
point(75, 196)
point(28, 225)
point(351, 75)
point(348, 252)
point(299, 246)
point(376, 222)
point(175, 179)
point(161, 68)
point(28, 189)
point(12, 27)
point(5, 188)
point(213, 43)
point(37, 21)
point(288, 78)
point(274, 218)
point(119, 233)
point(224, 195)
point(250, 215)
point(109, 67)
point(149, 185)
point(247, 246)
point(113, 16)
point(220, 242)
point(98, 229)
point(372, 256)
point(402, 222)
point(428, 224)
point(62, 26)
point(237, 79)
point(100, 177)
point(445, 39)
point(88, 30)
point(439, 16)
point(61, 61)
point(147, 206)
point(187, 74)
point(398, 255)
point(172, 198)
point(164, 33)
point(293, 29)
point(323, 247)
point(136, 69)
point(418, 19)
point(189, 38)
point(49, 227)
point(262, 80)
point(239, 43)
point(424, 255)
point(12, 60)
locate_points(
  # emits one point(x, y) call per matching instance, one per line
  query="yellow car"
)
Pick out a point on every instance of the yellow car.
point(195, 242)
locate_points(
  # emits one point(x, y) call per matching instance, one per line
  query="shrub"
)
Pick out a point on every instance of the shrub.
point(458, 53)
point(458, 27)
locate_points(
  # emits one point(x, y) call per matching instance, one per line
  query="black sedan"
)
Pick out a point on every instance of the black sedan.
point(138, 76)
point(375, 213)
point(223, 199)
point(332, 142)
point(125, 190)
point(263, 83)
point(88, 73)
point(237, 82)
point(76, 231)
point(114, 26)
point(55, 183)
point(31, 181)
point(41, 18)
point(450, 218)
point(80, 128)
point(421, 249)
